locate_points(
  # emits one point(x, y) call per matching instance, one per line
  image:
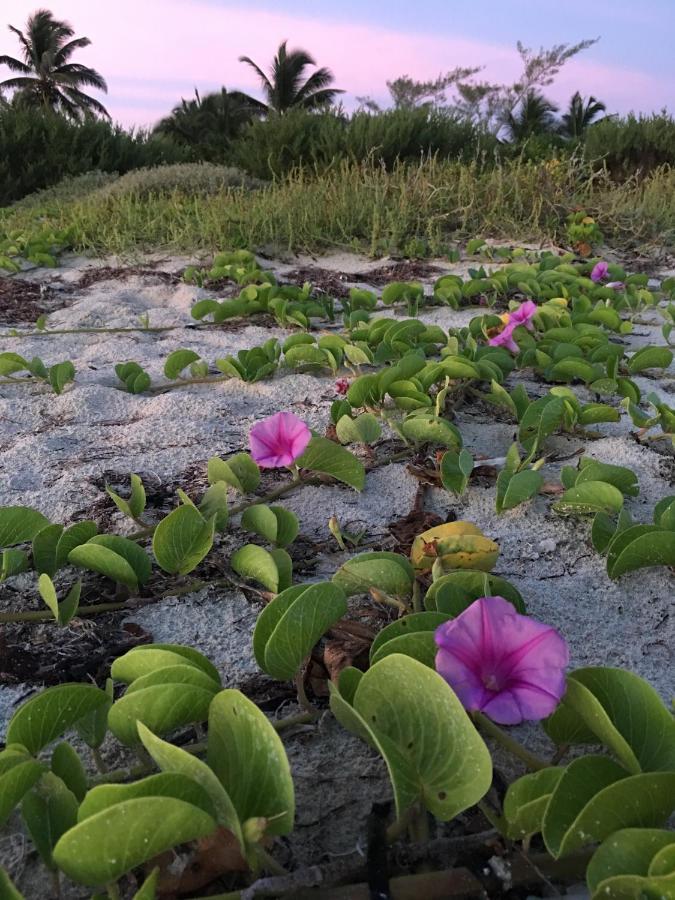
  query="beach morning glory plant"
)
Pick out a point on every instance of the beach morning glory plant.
point(508, 666)
point(279, 440)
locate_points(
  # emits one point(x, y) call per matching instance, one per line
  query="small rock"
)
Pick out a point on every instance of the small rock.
point(547, 546)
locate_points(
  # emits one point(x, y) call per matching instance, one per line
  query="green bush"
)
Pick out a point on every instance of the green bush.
point(40, 149)
point(279, 144)
point(635, 143)
point(189, 179)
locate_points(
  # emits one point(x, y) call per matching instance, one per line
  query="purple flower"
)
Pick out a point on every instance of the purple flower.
point(615, 285)
point(508, 666)
point(279, 440)
point(599, 272)
point(342, 386)
point(523, 315)
point(505, 339)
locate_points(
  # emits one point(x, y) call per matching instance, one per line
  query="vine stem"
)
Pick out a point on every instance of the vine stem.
point(488, 727)
point(303, 699)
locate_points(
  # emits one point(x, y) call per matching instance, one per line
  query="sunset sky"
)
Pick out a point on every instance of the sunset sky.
point(153, 52)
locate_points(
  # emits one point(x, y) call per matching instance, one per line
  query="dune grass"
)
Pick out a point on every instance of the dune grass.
point(413, 209)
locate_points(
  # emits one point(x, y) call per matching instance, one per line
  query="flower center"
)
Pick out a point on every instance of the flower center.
point(491, 681)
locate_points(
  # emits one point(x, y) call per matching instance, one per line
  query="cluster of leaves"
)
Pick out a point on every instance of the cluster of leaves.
point(95, 830)
point(37, 245)
point(57, 376)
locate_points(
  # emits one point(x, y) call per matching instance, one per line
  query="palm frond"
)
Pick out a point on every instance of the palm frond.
point(83, 75)
point(14, 65)
point(67, 50)
point(85, 102)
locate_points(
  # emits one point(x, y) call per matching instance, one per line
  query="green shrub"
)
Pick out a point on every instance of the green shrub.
point(279, 144)
point(189, 179)
point(40, 149)
point(634, 143)
point(72, 187)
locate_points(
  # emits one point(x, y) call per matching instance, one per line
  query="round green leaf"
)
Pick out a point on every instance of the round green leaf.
point(292, 623)
point(526, 800)
point(252, 561)
point(105, 846)
point(165, 784)
point(415, 622)
point(52, 712)
point(19, 524)
point(162, 707)
point(431, 748)
point(182, 540)
point(391, 573)
point(627, 852)
point(102, 559)
point(590, 497)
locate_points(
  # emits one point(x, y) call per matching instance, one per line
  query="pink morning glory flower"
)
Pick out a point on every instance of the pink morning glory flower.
point(342, 386)
point(523, 315)
point(508, 666)
point(279, 440)
point(505, 338)
point(599, 272)
point(615, 285)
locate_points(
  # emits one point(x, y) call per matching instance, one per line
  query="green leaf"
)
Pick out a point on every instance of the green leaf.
point(213, 505)
point(425, 622)
point(239, 471)
point(165, 784)
point(99, 558)
point(15, 783)
point(93, 727)
point(456, 469)
point(590, 497)
point(148, 890)
point(364, 429)
point(12, 562)
point(177, 361)
point(391, 573)
point(67, 764)
point(52, 712)
point(596, 797)
point(325, 456)
point(62, 612)
point(182, 540)
point(419, 645)
point(408, 712)
point(274, 523)
point(60, 375)
point(7, 889)
point(162, 707)
point(48, 810)
point(431, 429)
point(170, 758)
point(639, 547)
point(134, 506)
point(249, 759)
point(629, 851)
point(147, 658)
point(650, 358)
point(104, 847)
point(137, 558)
point(526, 800)
point(290, 625)
point(512, 490)
point(620, 476)
point(454, 592)
point(252, 561)
point(624, 713)
point(44, 547)
point(19, 524)
point(73, 537)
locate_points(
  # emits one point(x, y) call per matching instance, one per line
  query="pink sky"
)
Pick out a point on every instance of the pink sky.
point(152, 52)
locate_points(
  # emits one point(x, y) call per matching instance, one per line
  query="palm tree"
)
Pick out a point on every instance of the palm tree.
point(535, 115)
point(286, 88)
point(580, 115)
point(209, 123)
point(46, 76)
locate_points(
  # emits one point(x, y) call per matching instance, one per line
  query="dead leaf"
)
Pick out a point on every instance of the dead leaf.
point(204, 861)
